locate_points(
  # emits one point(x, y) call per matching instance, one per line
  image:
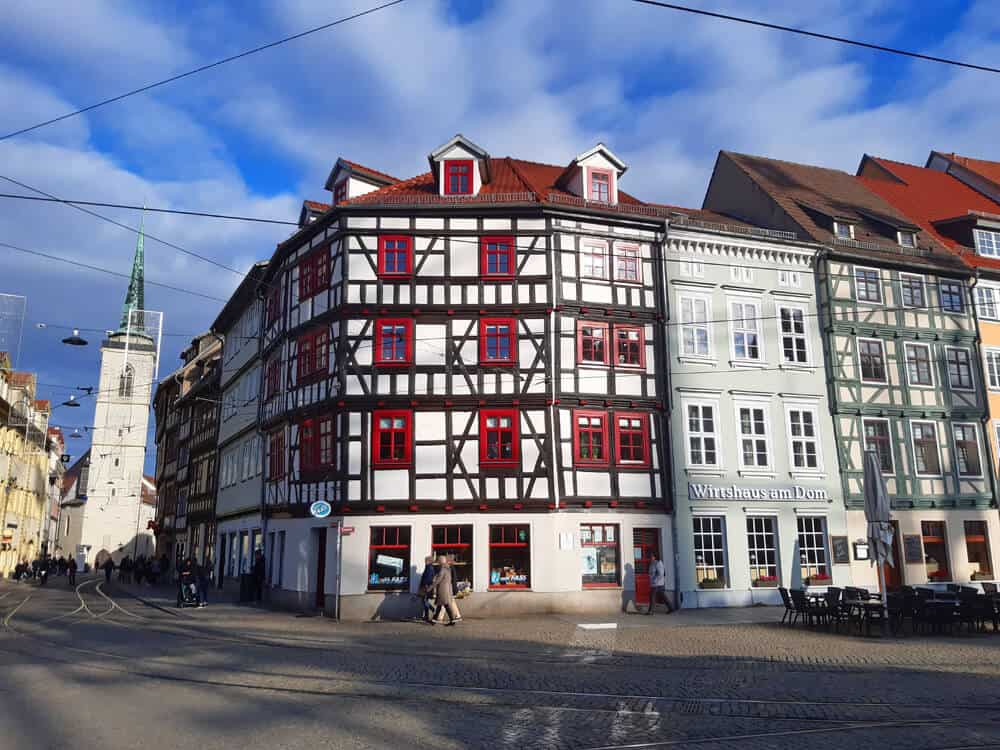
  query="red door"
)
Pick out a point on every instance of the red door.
point(894, 572)
point(645, 544)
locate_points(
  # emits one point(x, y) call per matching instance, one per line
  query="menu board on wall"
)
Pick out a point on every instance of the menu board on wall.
point(913, 548)
point(841, 550)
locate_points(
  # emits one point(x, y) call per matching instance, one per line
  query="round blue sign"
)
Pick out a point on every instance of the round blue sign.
point(320, 509)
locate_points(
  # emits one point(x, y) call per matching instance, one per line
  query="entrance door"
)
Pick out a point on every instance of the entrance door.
point(894, 573)
point(321, 568)
point(222, 559)
point(645, 544)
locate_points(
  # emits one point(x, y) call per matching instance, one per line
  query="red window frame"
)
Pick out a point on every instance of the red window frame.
point(314, 273)
point(641, 431)
point(400, 435)
point(276, 455)
point(407, 343)
point(485, 336)
point(452, 168)
point(586, 341)
point(389, 539)
point(505, 248)
point(641, 347)
point(315, 443)
point(340, 191)
point(580, 431)
point(384, 250)
point(485, 430)
point(314, 355)
point(591, 173)
point(508, 538)
point(626, 256)
point(272, 377)
point(274, 302)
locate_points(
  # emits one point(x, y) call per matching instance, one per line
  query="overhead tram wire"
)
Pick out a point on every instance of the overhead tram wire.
point(201, 69)
point(818, 35)
point(147, 209)
point(79, 264)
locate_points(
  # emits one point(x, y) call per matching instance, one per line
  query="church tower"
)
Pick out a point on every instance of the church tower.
point(114, 519)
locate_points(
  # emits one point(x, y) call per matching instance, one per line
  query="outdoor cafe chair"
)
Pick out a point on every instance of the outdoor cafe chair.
point(836, 610)
point(811, 612)
point(989, 588)
point(790, 614)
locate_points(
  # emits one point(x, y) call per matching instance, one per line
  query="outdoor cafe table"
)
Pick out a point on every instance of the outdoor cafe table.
point(864, 609)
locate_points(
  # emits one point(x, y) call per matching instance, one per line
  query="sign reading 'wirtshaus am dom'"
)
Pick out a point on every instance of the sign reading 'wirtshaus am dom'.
point(736, 492)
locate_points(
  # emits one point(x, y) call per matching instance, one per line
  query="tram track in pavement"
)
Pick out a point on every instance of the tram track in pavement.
point(816, 716)
point(813, 711)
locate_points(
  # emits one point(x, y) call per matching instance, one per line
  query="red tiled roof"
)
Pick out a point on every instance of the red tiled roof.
point(21, 378)
point(42, 405)
point(316, 206)
point(928, 195)
point(988, 169)
point(511, 181)
point(369, 170)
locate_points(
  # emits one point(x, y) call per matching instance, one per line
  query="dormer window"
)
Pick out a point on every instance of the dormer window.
point(458, 177)
point(988, 242)
point(907, 239)
point(842, 230)
point(600, 186)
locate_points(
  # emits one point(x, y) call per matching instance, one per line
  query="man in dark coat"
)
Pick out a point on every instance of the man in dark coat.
point(258, 576)
point(71, 571)
point(427, 587)
point(109, 568)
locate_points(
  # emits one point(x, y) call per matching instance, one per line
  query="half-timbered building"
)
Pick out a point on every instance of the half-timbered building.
point(901, 351)
point(467, 363)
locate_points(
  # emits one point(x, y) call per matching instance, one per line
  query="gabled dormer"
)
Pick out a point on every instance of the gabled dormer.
point(460, 167)
point(349, 180)
point(594, 175)
point(311, 210)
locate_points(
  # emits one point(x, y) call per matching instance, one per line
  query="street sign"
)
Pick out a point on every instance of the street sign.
point(346, 530)
point(320, 509)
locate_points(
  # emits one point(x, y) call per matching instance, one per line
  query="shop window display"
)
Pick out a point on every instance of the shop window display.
point(510, 557)
point(599, 555)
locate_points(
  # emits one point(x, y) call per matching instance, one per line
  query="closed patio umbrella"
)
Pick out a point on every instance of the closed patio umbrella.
point(877, 510)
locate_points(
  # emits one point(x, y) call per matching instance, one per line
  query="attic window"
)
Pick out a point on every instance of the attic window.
point(458, 177)
point(843, 230)
point(988, 242)
point(340, 192)
point(600, 186)
point(907, 239)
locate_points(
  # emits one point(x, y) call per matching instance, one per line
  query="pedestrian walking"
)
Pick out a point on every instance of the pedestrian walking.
point(202, 574)
point(427, 587)
point(453, 610)
point(442, 591)
point(258, 576)
point(71, 571)
point(43, 571)
point(109, 568)
point(657, 584)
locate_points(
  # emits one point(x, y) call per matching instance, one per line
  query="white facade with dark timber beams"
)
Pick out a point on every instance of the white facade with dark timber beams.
point(467, 363)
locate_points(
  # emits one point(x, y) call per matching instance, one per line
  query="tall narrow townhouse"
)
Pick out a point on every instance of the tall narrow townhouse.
point(464, 363)
point(900, 339)
point(238, 521)
point(967, 222)
point(759, 500)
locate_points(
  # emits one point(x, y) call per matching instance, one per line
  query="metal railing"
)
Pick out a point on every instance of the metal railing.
point(869, 245)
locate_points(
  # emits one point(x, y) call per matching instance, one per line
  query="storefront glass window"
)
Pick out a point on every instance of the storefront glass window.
point(599, 553)
point(935, 551)
point(455, 542)
point(977, 548)
point(762, 546)
point(710, 552)
point(389, 558)
point(812, 549)
point(510, 557)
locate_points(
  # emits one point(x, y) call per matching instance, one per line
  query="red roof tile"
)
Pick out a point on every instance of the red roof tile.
point(362, 168)
point(928, 195)
point(988, 169)
point(316, 206)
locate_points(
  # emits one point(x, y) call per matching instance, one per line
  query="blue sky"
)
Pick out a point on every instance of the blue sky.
point(538, 80)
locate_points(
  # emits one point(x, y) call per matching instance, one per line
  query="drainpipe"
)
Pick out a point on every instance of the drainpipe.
point(984, 392)
point(666, 450)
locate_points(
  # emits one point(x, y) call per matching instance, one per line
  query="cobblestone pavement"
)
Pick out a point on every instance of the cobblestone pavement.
point(96, 667)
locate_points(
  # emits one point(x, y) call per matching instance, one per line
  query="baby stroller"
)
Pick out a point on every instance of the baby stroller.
point(187, 591)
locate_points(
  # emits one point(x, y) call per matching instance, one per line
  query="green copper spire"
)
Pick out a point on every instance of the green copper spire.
point(135, 296)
